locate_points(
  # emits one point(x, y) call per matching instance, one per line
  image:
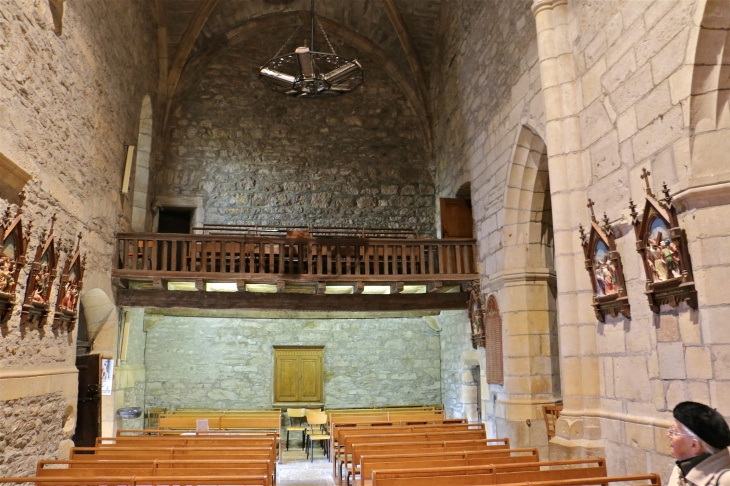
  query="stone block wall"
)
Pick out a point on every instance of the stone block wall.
point(68, 103)
point(229, 362)
point(258, 157)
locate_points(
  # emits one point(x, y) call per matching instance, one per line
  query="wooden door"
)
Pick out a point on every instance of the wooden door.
point(310, 385)
point(298, 374)
point(88, 419)
point(286, 379)
point(456, 218)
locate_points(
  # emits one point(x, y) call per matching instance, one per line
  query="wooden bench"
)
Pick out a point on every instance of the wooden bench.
point(349, 438)
point(386, 448)
point(369, 462)
point(172, 453)
point(428, 460)
point(205, 480)
point(182, 441)
point(125, 472)
point(251, 466)
point(194, 433)
point(341, 433)
point(496, 474)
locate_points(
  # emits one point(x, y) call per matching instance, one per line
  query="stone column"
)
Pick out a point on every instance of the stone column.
point(577, 435)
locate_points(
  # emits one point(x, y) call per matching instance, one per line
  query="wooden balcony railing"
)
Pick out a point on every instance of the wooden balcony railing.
point(230, 257)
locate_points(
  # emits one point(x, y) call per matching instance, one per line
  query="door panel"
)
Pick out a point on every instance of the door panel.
point(287, 379)
point(88, 420)
point(311, 382)
point(456, 218)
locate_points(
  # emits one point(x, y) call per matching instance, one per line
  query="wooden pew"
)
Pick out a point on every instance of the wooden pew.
point(194, 433)
point(207, 480)
point(498, 446)
point(125, 472)
point(182, 441)
point(349, 437)
point(497, 474)
point(172, 453)
point(441, 459)
point(385, 448)
point(337, 444)
point(251, 466)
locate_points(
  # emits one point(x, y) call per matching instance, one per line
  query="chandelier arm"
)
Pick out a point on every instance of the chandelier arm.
point(327, 38)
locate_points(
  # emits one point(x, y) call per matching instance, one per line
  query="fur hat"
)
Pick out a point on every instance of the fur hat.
point(705, 422)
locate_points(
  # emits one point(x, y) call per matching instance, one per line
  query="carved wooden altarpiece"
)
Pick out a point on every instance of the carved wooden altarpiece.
point(72, 279)
point(476, 314)
point(36, 305)
point(493, 342)
point(12, 259)
point(662, 245)
point(603, 263)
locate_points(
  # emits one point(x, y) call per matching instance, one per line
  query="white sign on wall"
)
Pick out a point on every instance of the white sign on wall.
point(107, 376)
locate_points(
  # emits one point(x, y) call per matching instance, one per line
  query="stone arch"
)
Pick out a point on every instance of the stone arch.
point(710, 92)
point(464, 191)
point(142, 167)
point(527, 298)
point(527, 204)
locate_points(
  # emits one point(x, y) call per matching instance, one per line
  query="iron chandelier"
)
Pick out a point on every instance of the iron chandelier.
point(306, 73)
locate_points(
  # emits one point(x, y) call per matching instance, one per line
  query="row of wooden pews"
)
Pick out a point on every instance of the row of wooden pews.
point(451, 453)
point(187, 458)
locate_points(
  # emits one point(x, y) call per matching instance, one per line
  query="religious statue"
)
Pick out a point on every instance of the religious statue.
point(41, 284)
point(70, 295)
point(6, 274)
point(662, 244)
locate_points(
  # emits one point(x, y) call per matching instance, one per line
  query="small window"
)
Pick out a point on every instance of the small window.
point(174, 221)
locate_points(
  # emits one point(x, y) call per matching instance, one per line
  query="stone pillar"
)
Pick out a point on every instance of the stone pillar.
point(577, 435)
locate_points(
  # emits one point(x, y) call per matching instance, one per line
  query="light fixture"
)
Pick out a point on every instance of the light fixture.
point(307, 73)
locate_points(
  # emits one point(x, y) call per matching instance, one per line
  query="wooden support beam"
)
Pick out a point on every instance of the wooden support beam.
point(320, 287)
point(280, 286)
point(396, 287)
point(199, 284)
point(358, 287)
point(158, 284)
point(241, 285)
point(434, 286)
point(169, 299)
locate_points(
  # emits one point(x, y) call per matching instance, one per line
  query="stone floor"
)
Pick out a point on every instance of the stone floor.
point(296, 470)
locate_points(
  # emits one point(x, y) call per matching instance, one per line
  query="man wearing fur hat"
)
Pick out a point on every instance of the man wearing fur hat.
point(699, 441)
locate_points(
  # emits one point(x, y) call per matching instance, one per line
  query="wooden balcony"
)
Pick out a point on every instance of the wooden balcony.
point(300, 265)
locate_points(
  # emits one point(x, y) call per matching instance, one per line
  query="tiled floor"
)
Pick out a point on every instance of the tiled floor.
point(296, 470)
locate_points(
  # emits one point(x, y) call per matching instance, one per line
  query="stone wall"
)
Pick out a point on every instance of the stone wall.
point(488, 127)
point(457, 357)
point(30, 429)
point(69, 98)
point(229, 363)
point(257, 157)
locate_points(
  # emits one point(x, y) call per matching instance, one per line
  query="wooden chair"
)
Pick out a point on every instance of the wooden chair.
point(551, 413)
point(299, 414)
point(316, 422)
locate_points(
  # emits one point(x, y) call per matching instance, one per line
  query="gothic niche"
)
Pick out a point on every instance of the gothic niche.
point(12, 259)
point(662, 245)
point(476, 314)
point(603, 263)
point(42, 273)
point(67, 302)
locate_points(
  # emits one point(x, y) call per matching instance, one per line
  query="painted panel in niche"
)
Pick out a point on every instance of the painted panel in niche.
point(604, 270)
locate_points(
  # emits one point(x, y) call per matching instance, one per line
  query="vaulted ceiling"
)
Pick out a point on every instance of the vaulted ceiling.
point(400, 35)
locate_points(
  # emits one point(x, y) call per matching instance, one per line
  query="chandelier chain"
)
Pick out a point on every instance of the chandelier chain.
point(327, 38)
point(288, 40)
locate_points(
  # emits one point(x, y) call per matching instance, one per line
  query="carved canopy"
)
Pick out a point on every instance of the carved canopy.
point(72, 277)
point(662, 245)
point(605, 269)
